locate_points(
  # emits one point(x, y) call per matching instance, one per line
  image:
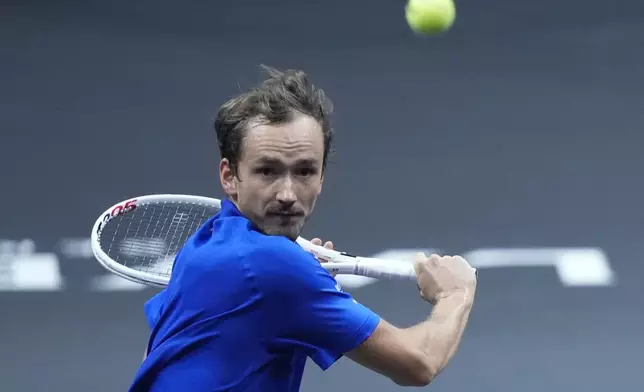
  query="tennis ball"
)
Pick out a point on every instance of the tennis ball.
point(430, 16)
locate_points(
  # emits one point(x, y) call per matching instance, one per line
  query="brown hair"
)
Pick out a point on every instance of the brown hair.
point(275, 101)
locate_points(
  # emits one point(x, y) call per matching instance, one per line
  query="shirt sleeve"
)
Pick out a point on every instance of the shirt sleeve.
point(305, 308)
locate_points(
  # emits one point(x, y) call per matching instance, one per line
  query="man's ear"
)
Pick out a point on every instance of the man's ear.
point(227, 178)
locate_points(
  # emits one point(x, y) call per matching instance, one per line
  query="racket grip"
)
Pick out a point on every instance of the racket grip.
point(384, 269)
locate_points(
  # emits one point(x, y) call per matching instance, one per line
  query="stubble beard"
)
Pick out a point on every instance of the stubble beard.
point(291, 231)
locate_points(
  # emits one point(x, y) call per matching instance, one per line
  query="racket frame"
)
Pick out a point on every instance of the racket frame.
point(126, 206)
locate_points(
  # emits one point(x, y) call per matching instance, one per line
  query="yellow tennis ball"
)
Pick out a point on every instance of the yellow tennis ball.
point(430, 16)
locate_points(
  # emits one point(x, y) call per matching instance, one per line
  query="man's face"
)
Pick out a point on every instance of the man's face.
point(279, 175)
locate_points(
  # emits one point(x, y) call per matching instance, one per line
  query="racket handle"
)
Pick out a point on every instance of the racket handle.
point(384, 269)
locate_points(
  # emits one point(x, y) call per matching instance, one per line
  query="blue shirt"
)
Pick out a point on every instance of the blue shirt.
point(243, 311)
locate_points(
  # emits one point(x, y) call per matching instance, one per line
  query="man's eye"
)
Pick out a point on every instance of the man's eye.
point(265, 171)
point(306, 172)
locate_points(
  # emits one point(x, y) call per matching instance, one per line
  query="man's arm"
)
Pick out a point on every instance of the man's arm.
point(415, 356)
point(309, 312)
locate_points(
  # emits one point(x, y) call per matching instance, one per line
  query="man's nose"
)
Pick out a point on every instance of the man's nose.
point(286, 195)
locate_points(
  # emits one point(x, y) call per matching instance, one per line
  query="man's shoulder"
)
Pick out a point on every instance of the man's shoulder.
point(277, 250)
point(283, 266)
point(260, 243)
point(233, 240)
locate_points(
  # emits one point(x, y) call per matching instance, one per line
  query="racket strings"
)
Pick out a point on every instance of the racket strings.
point(148, 238)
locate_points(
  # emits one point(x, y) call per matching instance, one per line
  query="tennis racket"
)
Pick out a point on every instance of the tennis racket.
point(139, 238)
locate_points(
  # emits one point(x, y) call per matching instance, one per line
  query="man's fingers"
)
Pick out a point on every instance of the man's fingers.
point(318, 242)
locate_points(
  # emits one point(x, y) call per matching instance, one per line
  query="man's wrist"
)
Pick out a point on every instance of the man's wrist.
point(461, 296)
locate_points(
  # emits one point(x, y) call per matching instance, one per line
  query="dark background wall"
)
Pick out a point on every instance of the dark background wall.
point(521, 127)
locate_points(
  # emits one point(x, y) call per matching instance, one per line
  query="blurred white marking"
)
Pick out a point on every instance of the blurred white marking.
point(76, 248)
point(585, 267)
point(114, 283)
point(574, 266)
point(30, 272)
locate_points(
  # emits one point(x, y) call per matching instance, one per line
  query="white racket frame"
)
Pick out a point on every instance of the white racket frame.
point(336, 262)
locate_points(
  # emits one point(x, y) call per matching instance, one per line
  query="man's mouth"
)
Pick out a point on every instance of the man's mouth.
point(286, 213)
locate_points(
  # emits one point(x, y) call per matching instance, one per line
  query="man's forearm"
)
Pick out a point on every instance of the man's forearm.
point(438, 337)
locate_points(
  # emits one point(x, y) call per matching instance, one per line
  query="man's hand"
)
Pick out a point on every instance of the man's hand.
point(318, 242)
point(414, 356)
point(441, 276)
point(328, 245)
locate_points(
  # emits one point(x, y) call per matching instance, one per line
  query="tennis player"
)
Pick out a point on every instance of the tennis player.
point(246, 306)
